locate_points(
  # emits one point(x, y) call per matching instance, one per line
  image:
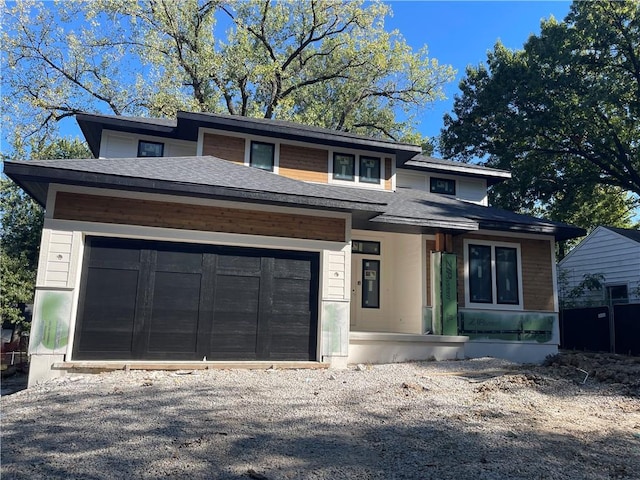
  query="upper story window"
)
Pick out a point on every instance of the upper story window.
point(442, 185)
point(370, 170)
point(363, 169)
point(494, 275)
point(262, 155)
point(344, 166)
point(150, 149)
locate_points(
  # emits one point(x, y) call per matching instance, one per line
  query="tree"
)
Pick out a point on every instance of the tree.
point(22, 219)
point(327, 63)
point(562, 114)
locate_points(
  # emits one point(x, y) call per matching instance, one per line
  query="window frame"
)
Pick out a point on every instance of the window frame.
point(273, 154)
point(150, 142)
point(354, 175)
point(494, 304)
point(365, 158)
point(433, 184)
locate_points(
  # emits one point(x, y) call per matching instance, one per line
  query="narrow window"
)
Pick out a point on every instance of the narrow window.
point(150, 149)
point(344, 166)
point(366, 247)
point(370, 170)
point(480, 278)
point(507, 275)
point(370, 283)
point(262, 155)
point(443, 185)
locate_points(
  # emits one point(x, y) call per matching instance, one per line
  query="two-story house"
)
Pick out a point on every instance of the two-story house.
point(214, 238)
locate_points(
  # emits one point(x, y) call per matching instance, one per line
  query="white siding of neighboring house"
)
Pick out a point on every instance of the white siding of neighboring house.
point(125, 145)
point(608, 253)
point(467, 189)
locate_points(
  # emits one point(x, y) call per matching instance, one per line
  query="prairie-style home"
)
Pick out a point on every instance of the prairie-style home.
point(214, 238)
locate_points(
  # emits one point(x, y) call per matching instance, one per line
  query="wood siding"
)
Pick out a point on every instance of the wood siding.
point(537, 273)
point(224, 146)
point(301, 163)
point(94, 208)
point(388, 184)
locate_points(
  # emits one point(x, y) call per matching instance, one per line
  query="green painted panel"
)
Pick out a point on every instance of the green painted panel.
point(50, 323)
point(505, 325)
point(449, 279)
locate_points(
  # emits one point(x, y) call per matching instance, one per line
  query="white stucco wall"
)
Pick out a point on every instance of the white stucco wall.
point(125, 145)
point(468, 189)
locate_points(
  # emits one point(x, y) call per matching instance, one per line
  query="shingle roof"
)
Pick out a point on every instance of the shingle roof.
point(627, 232)
point(216, 178)
point(426, 163)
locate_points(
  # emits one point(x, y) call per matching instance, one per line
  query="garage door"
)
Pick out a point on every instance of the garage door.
point(144, 300)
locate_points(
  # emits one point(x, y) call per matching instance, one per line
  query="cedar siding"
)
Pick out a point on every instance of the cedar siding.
point(301, 163)
point(103, 209)
point(388, 184)
point(224, 146)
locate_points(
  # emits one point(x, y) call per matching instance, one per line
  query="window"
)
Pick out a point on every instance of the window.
point(493, 274)
point(362, 246)
point(443, 185)
point(370, 170)
point(344, 166)
point(262, 155)
point(370, 283)
point(150, 149)
point(617, 294)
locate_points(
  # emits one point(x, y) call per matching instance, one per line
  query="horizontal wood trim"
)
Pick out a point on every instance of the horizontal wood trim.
point(102, 209)
point(302, 163)
point(224, 146)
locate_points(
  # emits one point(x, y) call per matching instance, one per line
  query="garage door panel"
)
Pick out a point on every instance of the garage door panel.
point(292, 269)
point(236, 294)
point(235, 265)
point(109, 312)
point(169, 261)
point(175, 314)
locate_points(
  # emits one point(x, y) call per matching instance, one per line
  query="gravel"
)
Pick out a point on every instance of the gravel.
point(471, 419)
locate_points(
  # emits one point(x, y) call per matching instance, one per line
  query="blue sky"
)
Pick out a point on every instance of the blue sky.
point(460, 33)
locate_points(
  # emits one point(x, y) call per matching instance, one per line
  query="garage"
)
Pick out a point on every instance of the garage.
point(144, 300)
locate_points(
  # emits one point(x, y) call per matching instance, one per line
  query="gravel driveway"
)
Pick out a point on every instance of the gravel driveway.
point(472, 419)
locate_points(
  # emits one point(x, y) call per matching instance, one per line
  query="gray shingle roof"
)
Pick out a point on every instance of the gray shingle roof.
point(216, 178)
point(627, 232)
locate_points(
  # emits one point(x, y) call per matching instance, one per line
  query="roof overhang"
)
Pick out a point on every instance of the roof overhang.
point(492, 176)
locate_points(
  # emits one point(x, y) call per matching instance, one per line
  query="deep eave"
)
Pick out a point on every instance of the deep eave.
point(424, 163)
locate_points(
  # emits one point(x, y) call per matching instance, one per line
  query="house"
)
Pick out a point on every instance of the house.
point(612, 255)
point(224, 238)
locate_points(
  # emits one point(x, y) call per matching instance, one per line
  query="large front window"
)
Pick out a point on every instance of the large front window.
point(493, 274)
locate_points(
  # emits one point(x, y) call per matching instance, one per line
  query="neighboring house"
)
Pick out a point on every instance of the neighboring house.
point(225, 238)
point(611, 256)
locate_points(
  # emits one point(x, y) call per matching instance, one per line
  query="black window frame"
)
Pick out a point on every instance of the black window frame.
point(364, 284)
point(338, 176)
point(434, 188)
point(148, 142)
point(493, 277)
point(490, 276)
point(365, 247)
point(273, 155)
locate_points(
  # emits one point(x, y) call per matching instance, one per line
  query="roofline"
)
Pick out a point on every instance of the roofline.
point(18, 172)
point(492, 176)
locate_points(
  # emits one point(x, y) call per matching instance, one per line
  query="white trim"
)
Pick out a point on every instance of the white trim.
point(276, 152)
point(518, 235)
point(494, 290)
point(357, 154)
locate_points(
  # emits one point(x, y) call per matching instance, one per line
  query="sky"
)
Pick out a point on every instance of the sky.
point(460, 33)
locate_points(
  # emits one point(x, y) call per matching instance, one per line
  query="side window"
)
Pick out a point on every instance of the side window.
point(262, 155)
point(150, 149)
point(344, 166)
point(370, 283)
point(442, 185)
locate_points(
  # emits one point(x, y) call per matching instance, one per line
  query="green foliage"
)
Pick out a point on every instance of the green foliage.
point(22, 220)
point(562, 114)
point(576, 296)
point(327, 63)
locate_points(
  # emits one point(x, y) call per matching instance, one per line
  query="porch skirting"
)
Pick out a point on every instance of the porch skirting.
point(377, 347)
